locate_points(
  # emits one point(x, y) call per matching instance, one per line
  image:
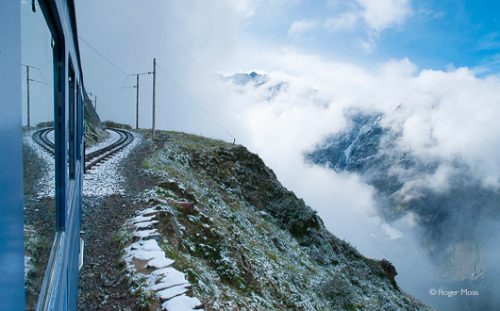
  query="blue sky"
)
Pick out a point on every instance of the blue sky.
point(432, 34)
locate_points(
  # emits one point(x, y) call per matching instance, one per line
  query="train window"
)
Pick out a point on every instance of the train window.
point(38, 144)
point(71, 121)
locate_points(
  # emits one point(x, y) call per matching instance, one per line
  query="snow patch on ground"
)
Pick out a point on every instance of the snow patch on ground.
point(181, 303)
point(104, 179)
point(146, 260)
point(46, 184)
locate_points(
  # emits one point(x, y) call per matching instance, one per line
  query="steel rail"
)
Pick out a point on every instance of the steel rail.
point(94, 158)
point(40, 137)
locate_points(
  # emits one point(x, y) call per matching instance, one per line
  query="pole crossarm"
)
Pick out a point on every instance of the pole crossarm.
point(141, 73)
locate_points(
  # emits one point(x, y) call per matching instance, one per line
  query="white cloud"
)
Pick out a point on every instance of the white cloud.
point(245, 7)
point(301, 27)
point(382, 14)
point(343, 21)
point(443, 115)
point(368, 45)
point(375, 15)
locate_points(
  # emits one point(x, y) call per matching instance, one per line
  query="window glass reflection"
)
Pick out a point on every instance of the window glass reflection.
point(38, 138)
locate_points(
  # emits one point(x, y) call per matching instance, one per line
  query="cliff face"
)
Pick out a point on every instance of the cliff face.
point(246, 242)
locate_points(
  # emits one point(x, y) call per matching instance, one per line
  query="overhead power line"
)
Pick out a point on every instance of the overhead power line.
point(41, 82)
point(196, 102)
point(191, 97)
point(39, 69)
point(114, 90)
point(46, 63)
point(125, 80)
point(102, 55)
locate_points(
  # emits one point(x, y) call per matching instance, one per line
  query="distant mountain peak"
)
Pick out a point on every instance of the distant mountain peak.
point(257, 80)
point(243, 79)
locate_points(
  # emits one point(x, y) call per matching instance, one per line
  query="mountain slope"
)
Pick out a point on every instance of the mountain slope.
point(247, 243)
point(456, 214)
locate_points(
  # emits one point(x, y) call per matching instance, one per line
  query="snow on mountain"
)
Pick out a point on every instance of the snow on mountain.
point(452, 216)
point(245, 78)
point(253, 79)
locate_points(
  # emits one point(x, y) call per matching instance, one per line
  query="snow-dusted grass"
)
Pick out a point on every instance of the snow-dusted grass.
point(146, 261)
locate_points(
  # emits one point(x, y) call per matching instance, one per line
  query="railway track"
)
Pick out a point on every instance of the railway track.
point(41, 138)
point(94, 158)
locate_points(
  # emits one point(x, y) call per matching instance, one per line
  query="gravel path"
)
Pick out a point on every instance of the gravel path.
point(103, 284)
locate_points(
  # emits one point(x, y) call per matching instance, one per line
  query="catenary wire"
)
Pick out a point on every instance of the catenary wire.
point(196, 102)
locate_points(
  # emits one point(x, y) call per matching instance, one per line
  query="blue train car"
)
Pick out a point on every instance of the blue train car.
point(60, 282)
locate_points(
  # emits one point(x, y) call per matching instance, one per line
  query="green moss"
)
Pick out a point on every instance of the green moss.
point(165, 193)
point(350, 307)
point(272, 256)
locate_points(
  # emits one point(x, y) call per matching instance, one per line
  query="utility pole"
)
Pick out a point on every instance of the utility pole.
point(154, 98)
point(28, 80)
point(137, 104)
point(28, 93)
point(137, 75)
